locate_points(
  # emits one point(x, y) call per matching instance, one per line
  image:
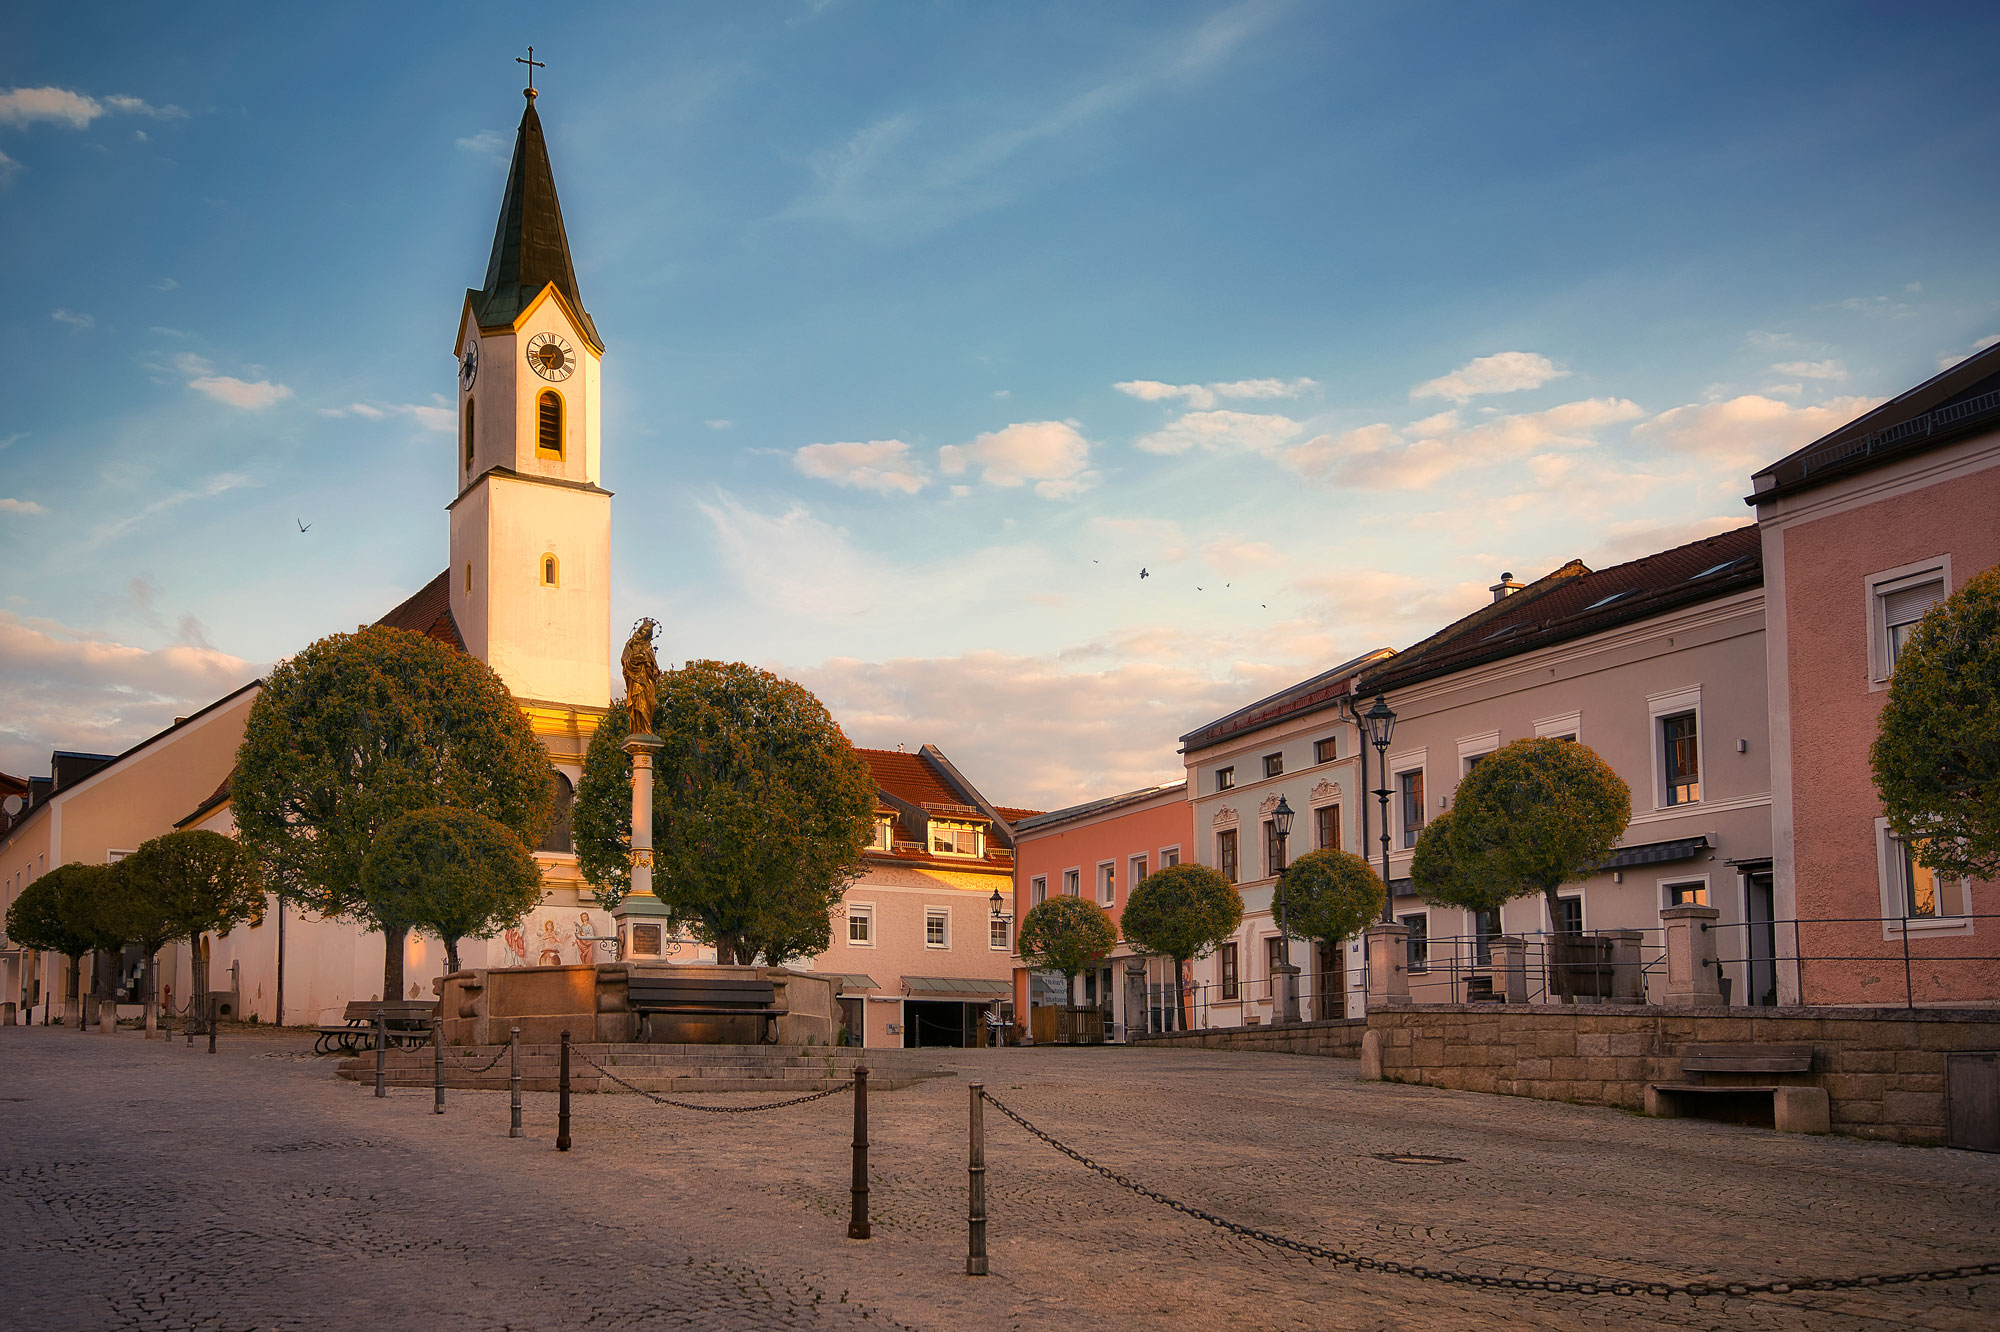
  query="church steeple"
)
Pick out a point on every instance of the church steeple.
point(530, 248)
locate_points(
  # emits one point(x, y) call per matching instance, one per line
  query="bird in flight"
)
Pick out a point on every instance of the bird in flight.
point(1144, 574)
point(303, 525)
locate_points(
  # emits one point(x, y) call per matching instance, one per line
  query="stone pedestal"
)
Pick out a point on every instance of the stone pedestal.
point(1135, 997)
point(1693, 978)
point(1285, 983)
point(1388, 966)
point(1628, 980)
point(1510, 967)
point(641, 919)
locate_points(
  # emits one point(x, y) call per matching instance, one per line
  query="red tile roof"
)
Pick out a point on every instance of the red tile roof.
point(908, 777)
point(1322, 691)
point(1012, 815)
point(1581, 603)
point(428, 612)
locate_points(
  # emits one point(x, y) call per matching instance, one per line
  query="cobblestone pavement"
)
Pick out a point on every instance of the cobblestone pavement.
point(148, 1185)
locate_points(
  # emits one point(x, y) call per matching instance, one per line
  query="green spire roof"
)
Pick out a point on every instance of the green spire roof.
point(530, 249)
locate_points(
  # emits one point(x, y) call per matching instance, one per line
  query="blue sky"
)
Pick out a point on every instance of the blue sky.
point(929, 325)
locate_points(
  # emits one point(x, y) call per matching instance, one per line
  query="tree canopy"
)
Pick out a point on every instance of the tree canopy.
point(1183, 911)
point(360, 728)
point(760, 811)
point(452, 872)
point(1937, 757)
point(52, 914)
point(1331, 895)
point(190, 883)
point(1066, 934)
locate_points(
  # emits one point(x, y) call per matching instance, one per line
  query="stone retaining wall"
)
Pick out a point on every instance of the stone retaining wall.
point(1337, 1039)
point(1883, 1069)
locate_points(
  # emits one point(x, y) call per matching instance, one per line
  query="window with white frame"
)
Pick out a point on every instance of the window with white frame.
point(999, 935)
point(1225, 778)
point(1107, 883)
point(937, 927)
point(1565, 727)
point(956, 839)
point(1325, 751)
point(884, 834)
point(1274, 764)
point(1038, 890)
point(1137, 872)
point(1684, 892)
point(1072, 882)
point(1170, 855)
point(1225, 853)
point(1897, 600)
point(1915, 896)
point(1326, 828)
point(1569, 914)
point(1419, 926)
point(1410, 802)
point(1676, 721)
point(861, 924)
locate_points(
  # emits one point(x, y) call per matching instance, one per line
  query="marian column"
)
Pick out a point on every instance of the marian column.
point(641, 917)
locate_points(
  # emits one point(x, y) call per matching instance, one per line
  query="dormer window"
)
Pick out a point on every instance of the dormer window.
point(884, 832)
point(956, 839)
point(549, 425)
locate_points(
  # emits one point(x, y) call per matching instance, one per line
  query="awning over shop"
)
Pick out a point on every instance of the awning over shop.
point(851, 980)
point(963, 988)
point(1656, 853)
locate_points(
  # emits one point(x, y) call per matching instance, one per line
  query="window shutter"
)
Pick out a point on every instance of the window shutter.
point(1907, 605)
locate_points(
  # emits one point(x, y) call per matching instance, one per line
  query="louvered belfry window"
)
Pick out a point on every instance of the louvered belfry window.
point(549, 424)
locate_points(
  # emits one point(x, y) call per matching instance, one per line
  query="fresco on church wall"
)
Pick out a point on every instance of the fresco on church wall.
point(555, 937)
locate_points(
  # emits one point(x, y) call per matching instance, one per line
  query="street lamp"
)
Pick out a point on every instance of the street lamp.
point(1282, 974)
point(1381, 723)
point(997, 902)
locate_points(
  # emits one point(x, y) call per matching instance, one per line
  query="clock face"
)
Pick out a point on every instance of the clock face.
point(551, 356)
point(468, 365)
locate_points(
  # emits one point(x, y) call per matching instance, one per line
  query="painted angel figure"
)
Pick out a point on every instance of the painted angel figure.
point(642, 676)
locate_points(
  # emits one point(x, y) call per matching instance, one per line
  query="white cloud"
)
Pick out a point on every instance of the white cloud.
point(490, 144)
point(720, 423)
point(1051, 454)
point(1950, 359)
point(1207, 395)
point(1619, 542)
point(1380, 457)
point(67, 688)
point(19, 505)
point(165, 284)
point(8, 166)
point(220, 483)
point(190, 364)
point(72, 320)
point(1503, 372)
point(1811, 369)
point(431, 416)
point(60, 106)
point(1745, 433)
point(1232, 555)
point(1221, 431)
point(881, 465)
point(1377, 607)
point(254, 397)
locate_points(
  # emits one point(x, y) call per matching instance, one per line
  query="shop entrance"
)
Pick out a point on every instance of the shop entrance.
point(940, 1023)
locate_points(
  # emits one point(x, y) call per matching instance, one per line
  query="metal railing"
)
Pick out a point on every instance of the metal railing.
point(1927, 947)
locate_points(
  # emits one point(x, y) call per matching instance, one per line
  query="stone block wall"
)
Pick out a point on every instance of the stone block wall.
point(1883, 1069)
point(1337, 1039)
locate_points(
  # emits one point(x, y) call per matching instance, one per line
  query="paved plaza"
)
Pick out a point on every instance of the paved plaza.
point(149, 1185)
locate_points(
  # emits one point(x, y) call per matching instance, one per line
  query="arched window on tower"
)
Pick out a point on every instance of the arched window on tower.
point(549, 425)
point(558, 837)
point(549, 571)
point(468, 575)
point(468, 434)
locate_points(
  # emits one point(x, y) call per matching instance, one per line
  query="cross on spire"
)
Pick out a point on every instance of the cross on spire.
point(533, 65)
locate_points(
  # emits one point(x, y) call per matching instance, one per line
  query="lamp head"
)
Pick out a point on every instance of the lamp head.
point(1381, 723)
point(1282, 817)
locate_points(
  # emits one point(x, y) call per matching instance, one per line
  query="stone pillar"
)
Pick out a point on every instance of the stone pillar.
point(1628, 981)
point(1693, 978)
point(1285, 980)
point(1510, 967)
point(640, 919)
point(1135, 997)
point(1388, 965)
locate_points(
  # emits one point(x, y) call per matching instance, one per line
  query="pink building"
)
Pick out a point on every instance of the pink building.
point(923, 952)
point(1101, 848)
point(1863, 531)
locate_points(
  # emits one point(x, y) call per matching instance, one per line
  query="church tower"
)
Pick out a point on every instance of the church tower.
point(530, 569)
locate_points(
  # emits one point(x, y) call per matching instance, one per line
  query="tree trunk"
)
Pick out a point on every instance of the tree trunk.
point(393, 938)
point(1560, 952)
point(104, 980)
point(1180, 996)
point(73, 992)
point(450, 954)
point(198, 1013)
point(152, 992)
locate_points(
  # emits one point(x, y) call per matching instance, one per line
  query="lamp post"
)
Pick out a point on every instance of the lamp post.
point(998, 903)
point(1381, 723)
point(1284, 974)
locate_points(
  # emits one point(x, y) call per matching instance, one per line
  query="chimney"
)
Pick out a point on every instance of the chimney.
point(1505, 588)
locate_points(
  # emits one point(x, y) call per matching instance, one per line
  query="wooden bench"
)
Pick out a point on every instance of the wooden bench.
point(404, 1022)
point(706, 996)
point(1746, 1092)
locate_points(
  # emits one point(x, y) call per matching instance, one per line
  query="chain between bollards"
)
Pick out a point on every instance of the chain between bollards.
point(437, 1062)
point(514, 1079)
point(857, 1216)
point(381, 1053)
point(562, 1097)
point(975, 1252)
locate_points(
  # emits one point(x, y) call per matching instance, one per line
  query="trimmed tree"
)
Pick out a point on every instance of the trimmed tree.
point(51, 915)
point(453, 873)
point(1937, 757)
point(359, 729)
point(760, 811)
point(1531, 817)
point(1330, 896)
point(1066, 934)
point(145, 923)
point(195, 882)
point(1184, 912)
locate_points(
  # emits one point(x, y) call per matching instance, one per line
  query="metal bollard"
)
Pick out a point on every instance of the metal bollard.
point(857, 1217)
point(975, 1253)
point(381, 1054)
point(562, 1097)
point(211, 1025)
point(437, 1064)
point(514, 1120)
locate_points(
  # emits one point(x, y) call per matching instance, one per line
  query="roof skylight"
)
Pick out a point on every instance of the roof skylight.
point(1615, 596)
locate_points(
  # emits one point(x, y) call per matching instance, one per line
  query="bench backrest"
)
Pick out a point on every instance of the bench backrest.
point(393, 1010)
point(1747, 1057)
point(699, 990)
